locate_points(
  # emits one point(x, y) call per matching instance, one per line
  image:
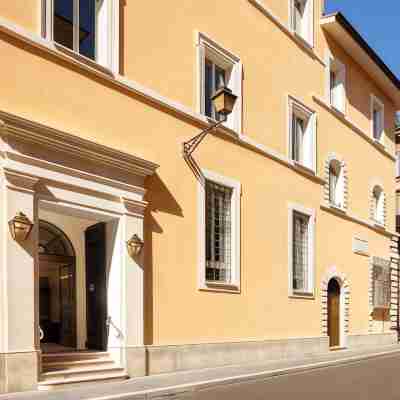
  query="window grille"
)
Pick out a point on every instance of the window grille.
point(218, 232)
point(300, 252)
point(381, 285)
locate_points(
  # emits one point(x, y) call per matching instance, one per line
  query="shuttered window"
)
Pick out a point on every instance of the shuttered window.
point(300, 252)
point(381, 285)
point(218, 232)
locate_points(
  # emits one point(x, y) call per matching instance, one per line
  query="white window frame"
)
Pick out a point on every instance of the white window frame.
point(208, 48)
point(376, 103)
point(378, 206)
point(110, 58)
point(308, 22)
point(340, 92)
point(235, 185)
point(397, 163)
point(310, 290)
point(339, 187)
point(296, 108)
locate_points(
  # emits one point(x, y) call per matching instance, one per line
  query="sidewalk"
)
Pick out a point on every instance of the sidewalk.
point(188, 382)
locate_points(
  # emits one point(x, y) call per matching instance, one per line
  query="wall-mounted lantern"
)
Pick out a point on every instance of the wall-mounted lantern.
point(224, 101)
point(134, 246)
point(20, 227)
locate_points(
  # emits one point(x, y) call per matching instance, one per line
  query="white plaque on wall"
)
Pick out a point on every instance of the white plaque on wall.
point(360, 246)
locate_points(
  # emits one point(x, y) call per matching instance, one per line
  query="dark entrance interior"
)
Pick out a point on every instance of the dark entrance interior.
point(96, 287)
point(334, 313)
point(57, 286)
point(57, 304)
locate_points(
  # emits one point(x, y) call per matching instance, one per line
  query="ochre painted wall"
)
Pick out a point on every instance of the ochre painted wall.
point(40, 87)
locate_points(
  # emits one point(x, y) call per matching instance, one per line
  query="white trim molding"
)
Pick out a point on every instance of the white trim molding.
point(297, 108)
point(310, 284)
point(307, 34)
point(225, 59)
point(344, 284)
point(353, 126)
point(342, 182)
point(107, 48)
point(375, 102)
point(234, 284)
point(377, 209)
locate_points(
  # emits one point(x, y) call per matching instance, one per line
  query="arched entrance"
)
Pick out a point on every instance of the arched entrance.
point(334, 316)
point(57, 299)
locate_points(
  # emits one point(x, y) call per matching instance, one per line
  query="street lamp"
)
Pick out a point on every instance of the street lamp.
point(224, 101)
point(20, 227)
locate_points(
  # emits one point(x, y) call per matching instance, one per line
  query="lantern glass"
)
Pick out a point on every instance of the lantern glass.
point(134, 245)
point(224, 101)
point(20, 227)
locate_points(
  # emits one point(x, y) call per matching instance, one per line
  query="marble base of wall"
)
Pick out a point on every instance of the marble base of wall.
point(165, 359)
point(18, 372)
point(372, 339)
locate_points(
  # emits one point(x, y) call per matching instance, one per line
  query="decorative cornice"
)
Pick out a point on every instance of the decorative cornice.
point(18, 181)
point(134, 207)
point(350, 217)
point(34, 132)
point(354, 127)
point(284, 28)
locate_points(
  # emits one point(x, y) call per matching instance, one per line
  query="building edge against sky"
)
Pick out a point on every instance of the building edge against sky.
point(277, 241)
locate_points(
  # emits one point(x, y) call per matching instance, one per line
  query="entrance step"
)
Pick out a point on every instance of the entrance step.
point(61, 370)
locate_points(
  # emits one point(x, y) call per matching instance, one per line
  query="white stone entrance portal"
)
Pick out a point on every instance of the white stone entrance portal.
point(45, 171)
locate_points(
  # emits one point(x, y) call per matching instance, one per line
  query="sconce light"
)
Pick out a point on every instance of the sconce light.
point(134, 245)
point(20, 227)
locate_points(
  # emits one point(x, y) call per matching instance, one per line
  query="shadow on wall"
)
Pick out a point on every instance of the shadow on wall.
point(160, 200)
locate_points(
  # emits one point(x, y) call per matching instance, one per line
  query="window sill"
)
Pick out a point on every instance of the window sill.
point(220, 287)
point(303, 42)
point(81, 58)
point(304, 296)
point(303, 168)
point(378, 225)
point(379, 144)
point(337, 208)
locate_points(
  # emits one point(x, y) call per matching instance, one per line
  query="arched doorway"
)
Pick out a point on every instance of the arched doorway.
point(334, 316)
point(57, 299)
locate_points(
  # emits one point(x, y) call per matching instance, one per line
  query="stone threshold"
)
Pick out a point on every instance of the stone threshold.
point(180, 382)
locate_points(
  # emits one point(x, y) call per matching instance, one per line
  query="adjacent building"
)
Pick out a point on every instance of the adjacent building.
point(275, 239)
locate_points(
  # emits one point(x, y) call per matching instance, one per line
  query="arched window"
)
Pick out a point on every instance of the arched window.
point(52, 241)
point(336, 184)
point(378, 206)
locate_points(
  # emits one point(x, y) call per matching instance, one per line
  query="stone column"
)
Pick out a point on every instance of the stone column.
point(133, 289)
point(18, 287)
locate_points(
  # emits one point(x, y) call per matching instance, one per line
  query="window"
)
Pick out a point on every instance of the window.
point(381, 283)
point(87, 27)
point(215, 78)
point(302, 19)
point(301, 251)
point(219, 68)
point(378, 205)
point(377, 119)
point(337, 85)
point(220, 232)
point(336, 184)
point(302, 135)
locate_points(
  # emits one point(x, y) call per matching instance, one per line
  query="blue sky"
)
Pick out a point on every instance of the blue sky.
point(378, 22)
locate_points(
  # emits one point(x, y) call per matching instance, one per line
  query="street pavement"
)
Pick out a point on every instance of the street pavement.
point(358, 374)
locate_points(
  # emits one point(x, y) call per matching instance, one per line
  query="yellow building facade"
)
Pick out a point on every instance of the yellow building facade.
point(281, 246)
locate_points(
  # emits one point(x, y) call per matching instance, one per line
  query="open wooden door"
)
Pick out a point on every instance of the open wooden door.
point(96, 287)
point(334, 313)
